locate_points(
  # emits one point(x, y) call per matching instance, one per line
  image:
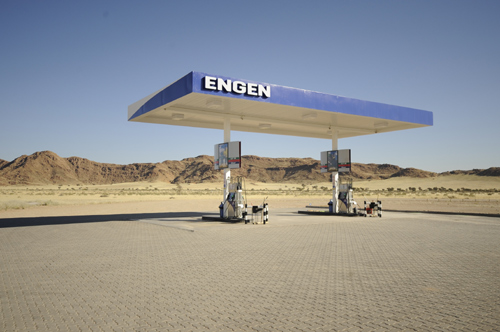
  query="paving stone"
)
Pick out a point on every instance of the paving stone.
point(402, 272)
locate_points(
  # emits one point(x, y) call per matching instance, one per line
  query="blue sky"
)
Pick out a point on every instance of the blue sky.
point(69, 70)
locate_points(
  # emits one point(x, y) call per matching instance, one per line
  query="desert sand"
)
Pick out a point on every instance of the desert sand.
point(147, 197)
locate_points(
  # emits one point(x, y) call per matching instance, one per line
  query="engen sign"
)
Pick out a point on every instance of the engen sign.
point(239, 87)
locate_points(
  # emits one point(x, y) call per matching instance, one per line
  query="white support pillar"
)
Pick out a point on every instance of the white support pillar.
point(227, 172)
point(335, 175)
point(227, 129)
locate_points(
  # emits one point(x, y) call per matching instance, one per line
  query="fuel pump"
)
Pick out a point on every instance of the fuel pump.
point(346, 196)
point(234, 207)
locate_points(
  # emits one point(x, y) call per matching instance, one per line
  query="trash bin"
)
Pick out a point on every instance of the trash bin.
point(221, 210)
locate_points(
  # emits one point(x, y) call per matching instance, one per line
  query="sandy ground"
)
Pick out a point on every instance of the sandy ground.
point(142, 197)
point(210, 205)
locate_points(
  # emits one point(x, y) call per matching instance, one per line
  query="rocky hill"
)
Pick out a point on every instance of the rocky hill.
point(3, 162)
point(48, 168)
point(492, 171)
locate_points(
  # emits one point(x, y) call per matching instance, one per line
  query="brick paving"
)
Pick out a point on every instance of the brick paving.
point(403, 272)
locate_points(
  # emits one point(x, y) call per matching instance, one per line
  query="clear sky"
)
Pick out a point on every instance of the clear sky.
point(69, 70)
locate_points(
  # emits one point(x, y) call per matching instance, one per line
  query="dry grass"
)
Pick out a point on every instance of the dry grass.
point(23, 197)
point(454, 189)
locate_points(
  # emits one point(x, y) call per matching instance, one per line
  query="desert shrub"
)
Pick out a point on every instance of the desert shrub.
point(12, 206)
point(47, 203)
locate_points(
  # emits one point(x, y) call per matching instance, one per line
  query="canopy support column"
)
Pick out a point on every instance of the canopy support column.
point(335, 175)
point(227, 129)
point(227, 171)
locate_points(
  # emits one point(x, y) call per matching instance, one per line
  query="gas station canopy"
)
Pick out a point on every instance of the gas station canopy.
point(207, 101)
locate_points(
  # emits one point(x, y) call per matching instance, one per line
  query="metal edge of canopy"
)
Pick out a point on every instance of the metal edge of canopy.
point(194, 82)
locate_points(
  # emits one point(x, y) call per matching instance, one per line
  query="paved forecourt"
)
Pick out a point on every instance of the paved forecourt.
point(299, 273)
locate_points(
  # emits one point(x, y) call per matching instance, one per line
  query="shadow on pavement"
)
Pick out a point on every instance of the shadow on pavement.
point(62, 220)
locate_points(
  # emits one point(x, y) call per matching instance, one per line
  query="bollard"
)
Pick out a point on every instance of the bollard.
point(265, 214)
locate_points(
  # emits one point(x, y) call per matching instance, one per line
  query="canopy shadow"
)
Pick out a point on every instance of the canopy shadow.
point(62, 220)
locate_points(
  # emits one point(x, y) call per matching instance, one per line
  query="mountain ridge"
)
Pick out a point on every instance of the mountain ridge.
point(46, 167)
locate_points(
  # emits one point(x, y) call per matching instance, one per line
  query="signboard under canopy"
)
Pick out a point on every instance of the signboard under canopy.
point(227, 155)
point(336, 161)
